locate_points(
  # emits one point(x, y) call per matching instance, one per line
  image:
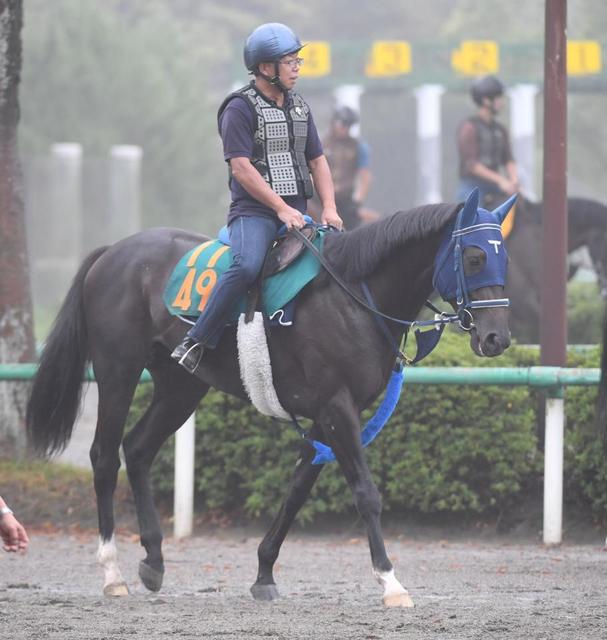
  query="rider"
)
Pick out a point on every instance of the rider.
point(484, 147)
point(273, 152)
point(348, 158)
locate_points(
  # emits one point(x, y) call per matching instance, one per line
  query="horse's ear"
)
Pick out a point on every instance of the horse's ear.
point(467, 215)
point(502, 211)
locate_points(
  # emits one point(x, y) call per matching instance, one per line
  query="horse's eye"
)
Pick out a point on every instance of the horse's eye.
point(474, 260)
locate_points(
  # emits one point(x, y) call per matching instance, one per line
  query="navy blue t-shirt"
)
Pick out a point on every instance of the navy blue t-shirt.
point(237, 126)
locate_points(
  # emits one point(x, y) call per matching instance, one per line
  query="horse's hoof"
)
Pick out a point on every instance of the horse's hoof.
point(151, 578)
point(399, 600)
point(116, 590)
point(265, 592)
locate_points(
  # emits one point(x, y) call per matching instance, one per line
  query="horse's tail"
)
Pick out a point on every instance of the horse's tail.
point(54, 400)
point(602, 407)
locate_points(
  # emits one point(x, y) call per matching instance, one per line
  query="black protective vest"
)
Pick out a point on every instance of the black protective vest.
point(342, 156)
point(492, 142)
point(280, 141)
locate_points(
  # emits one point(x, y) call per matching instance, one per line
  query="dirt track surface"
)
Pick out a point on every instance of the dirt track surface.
point(461, 590)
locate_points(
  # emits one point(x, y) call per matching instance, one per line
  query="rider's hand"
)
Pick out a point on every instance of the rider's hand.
point(291, 217)
point(330, 216)
point(12, 533)
point(507, 186)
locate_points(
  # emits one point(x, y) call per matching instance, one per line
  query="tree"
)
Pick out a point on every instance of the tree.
point(16, 326)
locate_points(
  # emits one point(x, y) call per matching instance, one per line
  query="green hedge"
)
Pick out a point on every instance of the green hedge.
point(464, 450)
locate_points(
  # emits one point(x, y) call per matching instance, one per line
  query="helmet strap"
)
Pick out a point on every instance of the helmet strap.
point(275, 79)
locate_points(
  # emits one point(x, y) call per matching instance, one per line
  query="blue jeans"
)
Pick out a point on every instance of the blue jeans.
point(250, 239)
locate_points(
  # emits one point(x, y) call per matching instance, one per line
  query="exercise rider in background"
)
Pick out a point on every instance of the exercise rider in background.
point(349, 161)
point(275, 156)
point(483, 143)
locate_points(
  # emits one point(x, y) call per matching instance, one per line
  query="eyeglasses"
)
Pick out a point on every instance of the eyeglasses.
point(294, 62)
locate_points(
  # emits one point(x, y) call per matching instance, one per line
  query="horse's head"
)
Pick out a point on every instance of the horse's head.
point(470, 273)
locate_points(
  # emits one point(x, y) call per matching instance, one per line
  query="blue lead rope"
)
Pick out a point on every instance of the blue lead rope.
point(325, 454)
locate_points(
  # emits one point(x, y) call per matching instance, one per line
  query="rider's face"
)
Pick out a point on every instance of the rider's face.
point(494, 104)
point(288, 70)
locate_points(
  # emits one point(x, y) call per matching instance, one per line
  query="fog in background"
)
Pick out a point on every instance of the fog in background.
point(152, 73)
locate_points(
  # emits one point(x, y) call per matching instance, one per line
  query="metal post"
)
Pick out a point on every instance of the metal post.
point(522, 130)
point(125, 191)
point(553, 470)
point(55, 266)
point(349, 95)
point(554, 216)
point(183, 501)
point(429, 163)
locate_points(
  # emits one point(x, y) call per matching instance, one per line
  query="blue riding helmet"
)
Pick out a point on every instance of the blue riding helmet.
point(268, 43)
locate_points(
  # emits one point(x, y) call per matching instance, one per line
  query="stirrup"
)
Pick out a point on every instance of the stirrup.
point(187, 359)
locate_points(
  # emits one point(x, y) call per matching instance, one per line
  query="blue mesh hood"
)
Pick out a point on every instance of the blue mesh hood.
point(484, 233)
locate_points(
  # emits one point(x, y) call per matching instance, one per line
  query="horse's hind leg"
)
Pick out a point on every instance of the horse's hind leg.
point(299, 488)
point(340, 423)
point(116, 383)
point(176, 394)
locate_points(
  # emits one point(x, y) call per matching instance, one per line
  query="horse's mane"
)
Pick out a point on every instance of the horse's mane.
point(582, 211)
point(355, 254)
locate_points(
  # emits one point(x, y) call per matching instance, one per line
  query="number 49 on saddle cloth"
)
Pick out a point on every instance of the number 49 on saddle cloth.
point(188, 289)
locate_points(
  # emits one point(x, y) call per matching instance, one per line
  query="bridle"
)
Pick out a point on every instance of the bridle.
point(465, 306)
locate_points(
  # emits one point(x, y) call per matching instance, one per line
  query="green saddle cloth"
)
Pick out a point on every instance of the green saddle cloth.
point(196, 274)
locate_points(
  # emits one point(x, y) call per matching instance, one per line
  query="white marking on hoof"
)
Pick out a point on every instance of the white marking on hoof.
point(107, 556)
point(395, 595)
point(116, 590)
point(399, 600)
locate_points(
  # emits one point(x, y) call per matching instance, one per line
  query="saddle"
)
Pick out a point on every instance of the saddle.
point(285, 250)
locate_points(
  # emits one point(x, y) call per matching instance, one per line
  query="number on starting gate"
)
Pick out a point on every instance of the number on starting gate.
point(476, 57)
point(583, 57)
point(317, 59)
point(389, 58)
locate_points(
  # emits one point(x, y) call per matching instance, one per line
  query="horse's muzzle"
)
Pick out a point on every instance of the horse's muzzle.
point(491, 345)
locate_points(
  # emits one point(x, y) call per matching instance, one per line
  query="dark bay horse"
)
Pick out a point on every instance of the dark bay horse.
point(329, 367)
point(587, 227)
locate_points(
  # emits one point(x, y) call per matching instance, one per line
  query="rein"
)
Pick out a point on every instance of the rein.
point(426, 340)
point(445, 318)
point(463, 315)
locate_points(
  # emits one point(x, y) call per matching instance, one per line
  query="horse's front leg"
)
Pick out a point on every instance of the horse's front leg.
point(301, 483)
point(341, 425)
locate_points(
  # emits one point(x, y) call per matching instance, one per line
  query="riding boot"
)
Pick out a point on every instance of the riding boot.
point(188, 354)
